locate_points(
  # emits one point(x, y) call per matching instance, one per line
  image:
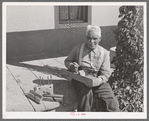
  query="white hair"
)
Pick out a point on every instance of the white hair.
point(90, 28)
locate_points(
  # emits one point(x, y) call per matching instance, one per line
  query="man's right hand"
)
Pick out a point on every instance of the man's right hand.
point(74, 67)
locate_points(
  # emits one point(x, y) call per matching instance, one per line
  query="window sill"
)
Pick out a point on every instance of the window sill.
point(72, 25)
point(71, 22)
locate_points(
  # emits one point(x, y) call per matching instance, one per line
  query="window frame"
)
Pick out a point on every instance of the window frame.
point(69, 24)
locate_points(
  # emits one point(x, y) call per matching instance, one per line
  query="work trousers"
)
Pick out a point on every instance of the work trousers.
point(85, 96)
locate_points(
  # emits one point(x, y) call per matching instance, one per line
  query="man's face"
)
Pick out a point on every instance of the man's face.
point(93, 39)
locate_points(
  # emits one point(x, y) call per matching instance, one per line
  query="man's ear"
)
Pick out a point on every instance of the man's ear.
point(100, 39)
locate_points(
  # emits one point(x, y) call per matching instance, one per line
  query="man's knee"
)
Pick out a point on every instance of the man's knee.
point(103, 91)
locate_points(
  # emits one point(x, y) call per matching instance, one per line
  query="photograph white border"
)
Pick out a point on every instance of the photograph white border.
point(67, 115)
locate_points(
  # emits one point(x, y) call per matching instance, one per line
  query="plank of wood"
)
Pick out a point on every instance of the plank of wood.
point(25, 78)
point(54, 62)
point(61, 60)
point(88, 81)
point(15, 99)
point(53, 66)
point(22, 75)
point(38, 69)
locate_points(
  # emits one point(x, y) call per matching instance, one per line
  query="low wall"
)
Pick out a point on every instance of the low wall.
point(47, 41)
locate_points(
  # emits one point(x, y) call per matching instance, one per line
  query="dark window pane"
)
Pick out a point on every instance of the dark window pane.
point(63, 12)
point(72, 14)
point(74, 11)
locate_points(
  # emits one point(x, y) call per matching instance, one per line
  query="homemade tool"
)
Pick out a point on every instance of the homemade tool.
point(87, 80)
point(55, 97)
point(44, 92)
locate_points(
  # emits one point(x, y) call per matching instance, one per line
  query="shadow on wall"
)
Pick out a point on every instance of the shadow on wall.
point(49, 41)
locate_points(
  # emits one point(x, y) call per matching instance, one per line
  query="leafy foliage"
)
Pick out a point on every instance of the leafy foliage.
point(128, 77)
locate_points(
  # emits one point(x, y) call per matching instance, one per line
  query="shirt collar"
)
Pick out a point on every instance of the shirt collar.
point(95, 50)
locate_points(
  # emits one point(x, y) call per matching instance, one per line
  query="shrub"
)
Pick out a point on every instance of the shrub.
point(128, 77)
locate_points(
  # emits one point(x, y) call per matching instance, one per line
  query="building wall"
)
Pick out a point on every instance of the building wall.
point(105, 15)
point(28, 18)
point(31, 30)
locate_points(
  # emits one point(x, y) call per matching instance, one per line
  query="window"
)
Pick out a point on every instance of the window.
point(72, 16)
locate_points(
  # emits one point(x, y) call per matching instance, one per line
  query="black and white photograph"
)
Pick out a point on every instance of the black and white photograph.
point(74, 60)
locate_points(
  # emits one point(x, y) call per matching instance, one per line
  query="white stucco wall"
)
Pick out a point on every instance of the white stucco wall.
point(28, 18)
point(105, 15)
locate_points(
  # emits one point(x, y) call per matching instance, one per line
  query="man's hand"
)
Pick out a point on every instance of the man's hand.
point(74, 67)
point(82, 73)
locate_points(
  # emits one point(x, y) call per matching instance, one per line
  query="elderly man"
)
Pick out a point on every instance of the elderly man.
point(93, 60)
